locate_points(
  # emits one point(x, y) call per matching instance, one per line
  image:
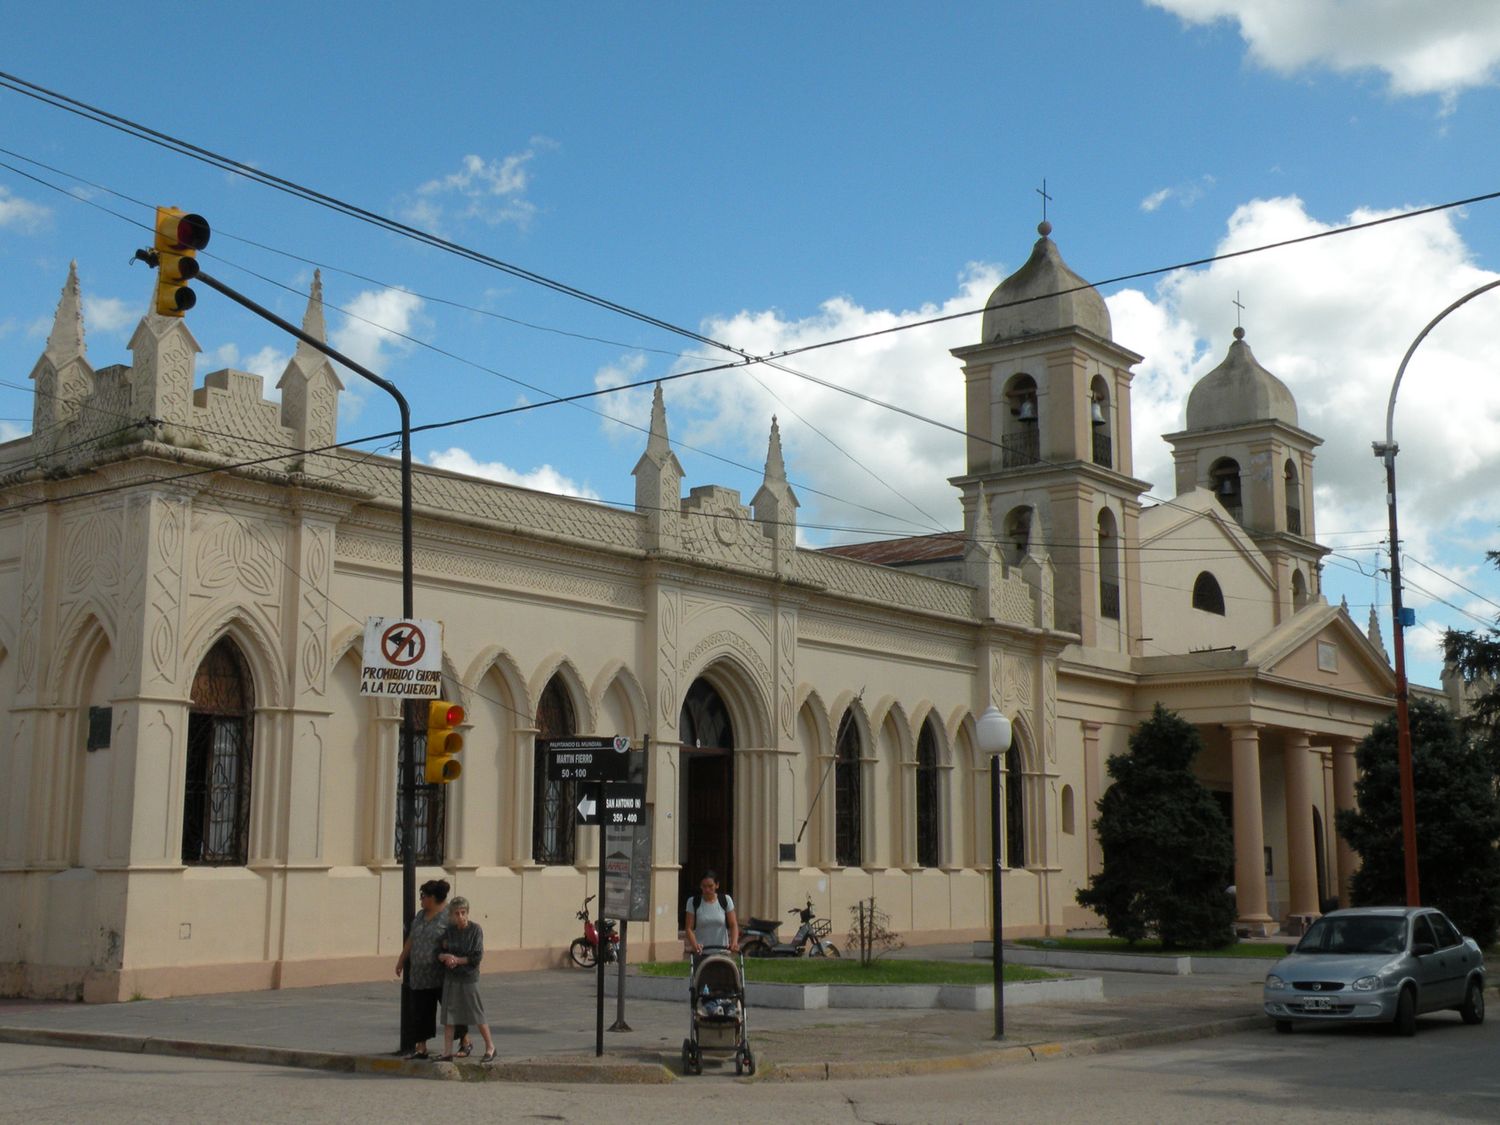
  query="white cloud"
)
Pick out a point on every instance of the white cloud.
point(268, 363)
point(1185, 194)
point(877, 469)
point(373, 328)
point(109, 314)
point(21, 214)
point(1332, 319)
point(493, 191)
point(1441, 48)
point(9, 431)
point(544, 478)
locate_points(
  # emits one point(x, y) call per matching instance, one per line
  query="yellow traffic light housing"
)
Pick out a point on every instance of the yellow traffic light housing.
point(443, 741)
point(179, 237)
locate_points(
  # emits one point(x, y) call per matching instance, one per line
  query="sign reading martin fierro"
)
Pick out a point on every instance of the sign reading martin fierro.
point(402, 658)
point(586, 759)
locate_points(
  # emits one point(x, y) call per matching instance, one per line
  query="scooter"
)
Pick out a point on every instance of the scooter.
point(762, 937)
point(585, 950)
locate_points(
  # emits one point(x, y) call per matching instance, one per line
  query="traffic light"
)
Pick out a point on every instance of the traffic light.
point(179, 237)
point(443, 741)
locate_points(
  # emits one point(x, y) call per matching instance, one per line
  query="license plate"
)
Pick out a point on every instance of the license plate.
point(1317, 1004)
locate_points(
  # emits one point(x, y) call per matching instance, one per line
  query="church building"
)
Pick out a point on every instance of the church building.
point(197, 797)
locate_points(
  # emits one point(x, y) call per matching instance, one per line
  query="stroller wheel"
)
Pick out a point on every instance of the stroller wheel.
point(749, 1062)
point(739, 1062)
point(687, 1056)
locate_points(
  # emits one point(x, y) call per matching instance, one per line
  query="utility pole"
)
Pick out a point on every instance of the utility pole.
point(178, 238)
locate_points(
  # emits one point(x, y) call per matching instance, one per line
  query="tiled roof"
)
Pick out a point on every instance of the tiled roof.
point(899, 552)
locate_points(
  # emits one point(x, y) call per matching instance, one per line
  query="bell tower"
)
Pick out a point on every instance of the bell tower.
point(1049, 445)
point(1243, 444)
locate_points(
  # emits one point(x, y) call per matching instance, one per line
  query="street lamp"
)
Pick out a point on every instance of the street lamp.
point(992, 733)
point(1387, 451)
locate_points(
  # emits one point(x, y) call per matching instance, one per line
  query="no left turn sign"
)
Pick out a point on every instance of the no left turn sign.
point(402, 658)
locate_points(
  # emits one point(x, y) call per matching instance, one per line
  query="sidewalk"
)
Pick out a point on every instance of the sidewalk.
point(544, 1028)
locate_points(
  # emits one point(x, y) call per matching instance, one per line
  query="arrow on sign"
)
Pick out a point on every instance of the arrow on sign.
point(586, 808)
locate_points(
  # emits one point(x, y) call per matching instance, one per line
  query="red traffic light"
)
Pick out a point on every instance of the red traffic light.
point(177, 231)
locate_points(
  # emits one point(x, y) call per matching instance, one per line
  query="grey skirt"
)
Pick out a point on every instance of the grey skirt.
point(461, 1001)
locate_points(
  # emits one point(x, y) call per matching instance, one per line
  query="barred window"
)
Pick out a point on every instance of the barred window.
point(552, 834)
point(1207, 595)
point(929, 816)
point(1015, 811)
point(429, 808)
point(216, 789)
point(847, 847)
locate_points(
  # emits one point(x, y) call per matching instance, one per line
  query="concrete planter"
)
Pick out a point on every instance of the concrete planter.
point(1242, 968)
point(810, 997)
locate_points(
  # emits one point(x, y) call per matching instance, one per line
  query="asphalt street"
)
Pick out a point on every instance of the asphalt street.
point(1328, 1075)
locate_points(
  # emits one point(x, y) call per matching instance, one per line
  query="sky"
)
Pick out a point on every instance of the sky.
point(784, 175)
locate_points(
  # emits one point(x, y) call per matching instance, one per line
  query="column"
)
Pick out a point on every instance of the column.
point(1093, 790)
point(1343, 797)
point(1249, 828)
point(1302, 858)
point(756, 831)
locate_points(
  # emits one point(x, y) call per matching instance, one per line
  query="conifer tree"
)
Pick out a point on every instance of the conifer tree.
point(1167, 848)
point(1458, 822)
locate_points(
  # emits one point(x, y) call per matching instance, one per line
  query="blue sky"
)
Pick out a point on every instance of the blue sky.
point(788, 174)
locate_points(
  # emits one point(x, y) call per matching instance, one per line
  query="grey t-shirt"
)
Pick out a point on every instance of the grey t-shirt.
point(710, 924)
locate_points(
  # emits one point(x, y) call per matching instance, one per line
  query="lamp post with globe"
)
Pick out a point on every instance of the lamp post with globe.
point(992, 734)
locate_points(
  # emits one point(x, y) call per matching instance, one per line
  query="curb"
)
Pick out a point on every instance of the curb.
point(1008, 1055)
point(527, 1070)
point(620, 1073)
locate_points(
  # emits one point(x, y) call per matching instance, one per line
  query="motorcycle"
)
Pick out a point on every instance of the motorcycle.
point(762, 936)
point(585, 950)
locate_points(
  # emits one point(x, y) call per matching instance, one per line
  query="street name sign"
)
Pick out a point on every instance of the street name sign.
point(402, 658)
point(586, 759)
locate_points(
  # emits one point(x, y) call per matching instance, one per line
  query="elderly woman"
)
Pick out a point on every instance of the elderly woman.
point(460, 950)
point(424, 976)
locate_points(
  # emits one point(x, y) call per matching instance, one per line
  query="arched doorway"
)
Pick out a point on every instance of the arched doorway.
point(216, 788)
point(707, 799)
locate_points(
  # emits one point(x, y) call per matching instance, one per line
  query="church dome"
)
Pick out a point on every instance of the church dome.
point(1052, 297)
point(1239, 390)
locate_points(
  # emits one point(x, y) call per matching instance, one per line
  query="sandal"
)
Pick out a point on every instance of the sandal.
point(487, 1057)
point(445, 1058)
point(422, 1056)
point(464, 1050)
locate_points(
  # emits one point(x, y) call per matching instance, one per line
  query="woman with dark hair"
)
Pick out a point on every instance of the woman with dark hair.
point(709, 918)
point(424, 976)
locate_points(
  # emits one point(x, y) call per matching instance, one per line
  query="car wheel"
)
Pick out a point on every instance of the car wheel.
point(1473, 1007)
point(1406, 1014)
point(1284, 1026)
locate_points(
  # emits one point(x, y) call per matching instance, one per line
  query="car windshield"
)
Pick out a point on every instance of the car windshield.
point(1362, 934)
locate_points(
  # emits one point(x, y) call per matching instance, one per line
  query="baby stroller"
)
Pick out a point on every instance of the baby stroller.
point(716, 1012)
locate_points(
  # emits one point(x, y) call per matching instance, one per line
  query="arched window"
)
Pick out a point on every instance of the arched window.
point(1224, 479)
point(1299, 590)
point(1067, 811)
point(216, 790)
point(1293, 498)
point(1017, 534)
point(1022, 440)
point(1206, 594)
point(552, 834)
point(846, 834)
point(1015, 814)
point(1099, 424)
point(1109, 567)
point(929, 813)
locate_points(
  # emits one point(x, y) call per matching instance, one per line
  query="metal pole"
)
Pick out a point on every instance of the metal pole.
point(620, 1024)
point(996, 955)
point(1388, 450)
point(603, 939)
point(408, 706)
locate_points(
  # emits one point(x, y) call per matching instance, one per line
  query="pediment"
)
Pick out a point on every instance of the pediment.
point(1323, 648)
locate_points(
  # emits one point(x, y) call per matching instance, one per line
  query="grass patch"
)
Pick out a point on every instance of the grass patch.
point(1268, 949)
point(806, 970)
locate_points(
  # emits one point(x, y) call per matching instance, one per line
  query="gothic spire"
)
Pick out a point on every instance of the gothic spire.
point(66, 339)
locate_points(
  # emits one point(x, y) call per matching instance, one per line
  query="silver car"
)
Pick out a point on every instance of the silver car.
point(1377, 964)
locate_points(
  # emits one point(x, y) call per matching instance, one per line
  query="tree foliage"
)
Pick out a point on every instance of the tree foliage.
point(1475, 656)
point(1167, 848)
point(1458, 822)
